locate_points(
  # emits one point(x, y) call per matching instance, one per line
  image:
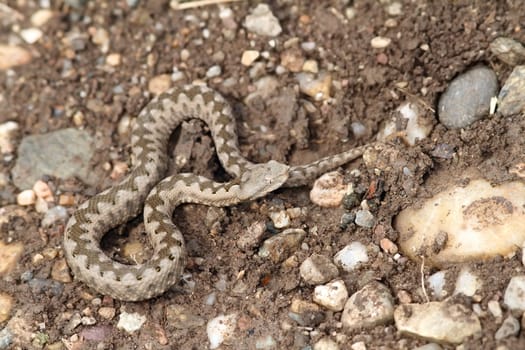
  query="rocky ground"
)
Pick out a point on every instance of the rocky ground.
point(418, 244)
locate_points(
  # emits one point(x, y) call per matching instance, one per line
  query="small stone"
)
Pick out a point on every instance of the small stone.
point(351, 256)
point(31, 35)
point(332, 295)
point(364, 218)
point(280, 219)
point(467, 283)
point(100, 37)
point(326, 344)
point(42, 190)
point(305, 313)
point(280, 246)
point(113, 59)
point(316, 86)
point(107, 312)
point(131, 322)
point(264, 88)
point(9, 256)
point(220, 329)
point(495, 309)
point(350, 12)
point(181, 318)
point(310, 66)
point(26, 197)
point(360, 345)
point(329, 190)
point(441, 322)
point(513, 297)
point(509, 328)
point(318, 269)
point(380, 42)
point(12, 56)
point(6, 338)
point(78, 118)
point(429, 346)
point(41, 17)
point(160, 83)
point(6, 304)
point(60, 271)
point(512, 95)
point(508, 50)
point(292, 60)
point(252, 235)
point(214, 71)
point(53, 215)
point(261, 21)
point(467, 98)
point(66, 200)
point(388, 246)
point(8, 133)
point(119, 170)
point(372, 305)
point(436, 282)
point(265, 342)
point(249, 56)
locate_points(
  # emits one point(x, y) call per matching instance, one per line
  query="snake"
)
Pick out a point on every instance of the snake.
point(147, 189)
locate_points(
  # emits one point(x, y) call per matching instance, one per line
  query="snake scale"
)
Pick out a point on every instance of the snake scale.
point(145, 189)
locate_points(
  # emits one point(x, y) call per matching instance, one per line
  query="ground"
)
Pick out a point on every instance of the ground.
point(432, 42)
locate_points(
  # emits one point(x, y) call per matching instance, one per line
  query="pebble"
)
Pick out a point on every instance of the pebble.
point(160, 83)
point(442, 322)
point(107, 312)
point(414, 126)
point(131, 322)
point(42, 190)
point(467, 98)
point(305, 313)
point(315, 85)
point(213, 71)
point(66, 200)
point(265, 342)
point(513, 297)
point(264, 88)
point(444, 226)
point(380, 42)
point(292, 60)
point(53, 215)
point(351, 256)
point(370, 306)
point(180, 317)
point(394, 9)
point(495, 309)
point(221, 329)
point(508, 50)
point(318, 269)
point(364, 218)
point(6, 338)
point(332, 295)
point(100, 37)
point(60, 271)
point(310, 66)
point(388, 246)
point(437, 281)
point(261, 21)
point(280, 219)
point(45, 286)
point(41, 17)
point(63, 154)
point(6, 304)
point(113, 59)
point(282, 245)
point(326, 343)
point(31, 35)
point(509, 328)
point(252, 235)
point(467, 283)
point(9, 256)
point(8, 133)
point(249, 56)
point(429, 346)
point(511, 99)
point(26, 197)
point(329, 190)
point(12, 56)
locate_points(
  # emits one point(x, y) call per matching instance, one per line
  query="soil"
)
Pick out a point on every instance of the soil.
point(41, 99)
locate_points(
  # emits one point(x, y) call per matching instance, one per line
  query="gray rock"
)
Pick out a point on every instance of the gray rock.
point(282, 245)
point(261, 21)
point(318, 269)
point(467, 98)
point(508, 50)
point(63, 153)
point(364, 218)
point(6, 338)
point(370, 306)
point(53, 215)
point(441, 322)
point(513, 297)
point(509, 327)
point(45, 286)
point(512, 95)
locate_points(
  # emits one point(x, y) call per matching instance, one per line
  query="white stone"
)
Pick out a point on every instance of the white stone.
point(26, 197)
point(351, 256)
point(360, 345)
point(380, 42)
point(495, 308)
point(364, 218)
point(131, 322)
point(441, 322)
point(429, 346)
point(41, 17)
point(514, 294)
point(220, 329)
point(318, 269)
point(332, 295)
point(261, 21)
point(444, 226)
point(415, 126)
point(31, 35)
point(436, 282)
point(370, 306)
point(467, 283)
point(214, 71)
point(329, 190)
point(317, 86)
point(280, 219)
point(11, 56)
point(326, 343)
point(8, 133)
point(249, 56)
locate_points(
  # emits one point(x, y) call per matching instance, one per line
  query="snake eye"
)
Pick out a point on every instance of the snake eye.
point(171, 257)
point(157, 269)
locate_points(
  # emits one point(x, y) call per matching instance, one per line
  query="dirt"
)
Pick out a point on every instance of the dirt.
point(41, 99)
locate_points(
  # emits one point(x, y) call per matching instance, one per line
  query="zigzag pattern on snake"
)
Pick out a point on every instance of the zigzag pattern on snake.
point(145, 190)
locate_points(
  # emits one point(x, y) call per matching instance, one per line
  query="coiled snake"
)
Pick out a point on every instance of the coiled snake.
point(142, 190)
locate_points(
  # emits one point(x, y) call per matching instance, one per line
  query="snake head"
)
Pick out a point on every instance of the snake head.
point(263, 178)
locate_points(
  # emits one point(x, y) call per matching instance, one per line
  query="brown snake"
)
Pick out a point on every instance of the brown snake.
point(145, 189)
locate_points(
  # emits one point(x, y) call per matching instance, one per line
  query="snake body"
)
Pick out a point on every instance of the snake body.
point(145, 189)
